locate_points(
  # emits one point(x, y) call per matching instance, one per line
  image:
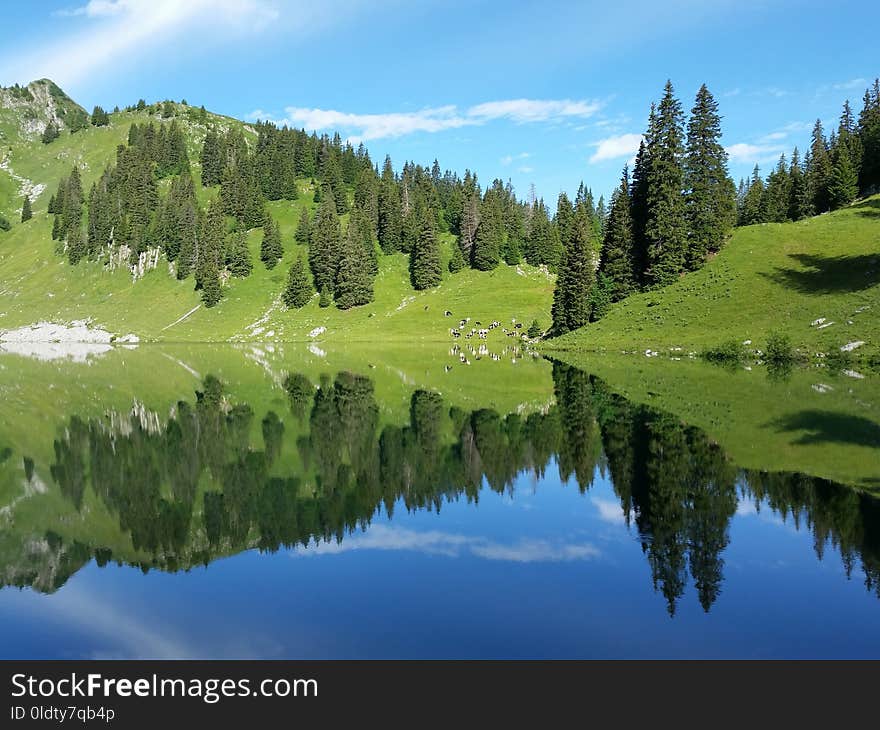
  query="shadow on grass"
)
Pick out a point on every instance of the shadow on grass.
point(868, 208)
point(830, 275)
point(829, 427)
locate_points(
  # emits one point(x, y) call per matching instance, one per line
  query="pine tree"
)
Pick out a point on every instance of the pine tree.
point(486, 254)
point(869, 137)
point(665, 227)
point(354, 282)
point(797, 188)
point(456, 262)
point(534, 330)
point(390, 214)
point(325, 299)
point(239, 257)
point(571, 297)
point(26, 212)
point(211, 159)
point(299, 290)
point(271, 249)
point(819, 171)
point(424, 261)
point(76, 245)
point(100, 118)
point(843, 185)
point(639, 207)
point(212, 237)
point(211, 292)
point(710, 198)
point(753, 205)
point(325, 246)
point(617, 259)
point(777, 193)
point(303, 228)
point(50, 133)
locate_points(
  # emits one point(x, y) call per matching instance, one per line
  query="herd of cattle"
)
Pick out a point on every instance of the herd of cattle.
point(481, 332)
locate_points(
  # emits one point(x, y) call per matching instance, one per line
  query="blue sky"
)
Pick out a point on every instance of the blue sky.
point(550, 93)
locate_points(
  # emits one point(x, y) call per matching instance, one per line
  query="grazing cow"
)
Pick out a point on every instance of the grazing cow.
point(469, 335)
point(478, 323)
point(518, 326)
point(456, 334)
point(447, 313)
point(447, 368)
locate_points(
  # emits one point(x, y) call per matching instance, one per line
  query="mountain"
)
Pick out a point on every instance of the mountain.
point(38, 285)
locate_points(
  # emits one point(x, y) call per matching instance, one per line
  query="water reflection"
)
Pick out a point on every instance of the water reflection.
point(214, 478)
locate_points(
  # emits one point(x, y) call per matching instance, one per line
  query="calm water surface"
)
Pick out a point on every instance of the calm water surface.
point(326, 514)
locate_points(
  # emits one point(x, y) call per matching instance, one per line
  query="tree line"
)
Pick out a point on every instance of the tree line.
point(675, 486)
point(832, 173)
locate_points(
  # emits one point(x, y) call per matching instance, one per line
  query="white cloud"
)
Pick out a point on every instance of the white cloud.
point(732, 92)
point(773, 136)
point(609, 510)
point(743, 152)
point(107, 32)
point(610, 148)
point(507, 159)
point(851, 84)
point(363, 127)
point(453, 545)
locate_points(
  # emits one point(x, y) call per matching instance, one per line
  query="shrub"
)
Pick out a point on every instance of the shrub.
point(779, 350)
point(727, 353)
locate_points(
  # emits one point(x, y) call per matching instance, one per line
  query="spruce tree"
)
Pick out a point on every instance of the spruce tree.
point(456, 262)
point(710, 197)
point(211, 292)
point(571, 296)
point(797, 188)
point(299, 290)
point(869, 137)
point(390, 214)
point(211, 159)
point(212, 238)
point(617, 259)
point(753, 205)
point(665, 227)
point(639, 207)
point(26, 212)
point(325, 300)
point(100, 118)
point(76, 245)
point(271, 249)
point(843, 185)
point(50, 133)
point(819, 171)
point(303, 228)
point(424, 261)
point(239, 257)
point(325, 245)
point(354, 282)
point(486, 253)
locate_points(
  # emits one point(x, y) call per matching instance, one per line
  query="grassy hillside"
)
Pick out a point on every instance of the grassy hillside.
point(772, 277)
point(36, 284)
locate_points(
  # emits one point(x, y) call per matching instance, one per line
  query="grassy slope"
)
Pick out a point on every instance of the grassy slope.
point(810, 422)
point(769, 277)
point(36, 284)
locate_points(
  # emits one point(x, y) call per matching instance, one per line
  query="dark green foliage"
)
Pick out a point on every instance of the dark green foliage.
point(100, 118)
point(456, 262)
point(299, 290)
point(50, 133)
point(535, 329)
point(486, 253)
point(26, 212)
point(390, 214)
point(779, 349)
point(76, 244)
point(211, 292)
point(4, 224)
point(617, 259)
point(325, 300)
point(424, 262)
point(777, 195)
point(271, 249)
point(665, 227)
point(710, 194)
point(819, 171)
point(869, 137)
point(303, 228)
point(238, 258)
point(212, 239)
point(571, 297)
point(731, 352)
point(212, 159)
point(325, 246)
point(843, 184)
point(354, 279)
point(601, 296)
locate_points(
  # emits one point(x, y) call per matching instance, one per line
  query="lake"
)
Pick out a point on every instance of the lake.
point(291, 502)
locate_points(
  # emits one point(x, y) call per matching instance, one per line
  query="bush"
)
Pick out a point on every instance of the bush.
point(727, 353)
point(534, 330)
point(779, 350)
point(4, 224)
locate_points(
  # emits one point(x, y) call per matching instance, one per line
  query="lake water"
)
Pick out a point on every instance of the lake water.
point(254, 503)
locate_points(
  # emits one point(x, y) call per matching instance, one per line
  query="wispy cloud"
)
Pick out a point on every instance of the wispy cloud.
point(363, 127)
point(453, 545)
point(525, 169)
point(508, 159)
point(102, 32)
point(609, 510)
point(743, 152)
point(859, 83)
point(611, 148)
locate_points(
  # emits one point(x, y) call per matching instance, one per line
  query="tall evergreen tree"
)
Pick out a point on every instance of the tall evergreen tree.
point(212, 159)
point(325, 245)
point(571, 297)
point(797, 188)
point(819, 171)
point(299, 290)
point(26, 212)
point(424, 261)
point(617, 261)
point(843, 185)
point(238, 259)
point(639, 207)
point(710, 196)
point(753, 205)
point(100, 118)
point(869, 137)
point(390, 213)
point(271, 249)
point(303, 228)
point(456, 261)
point(665, 227)
point(486, 254)
point(354, 282)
